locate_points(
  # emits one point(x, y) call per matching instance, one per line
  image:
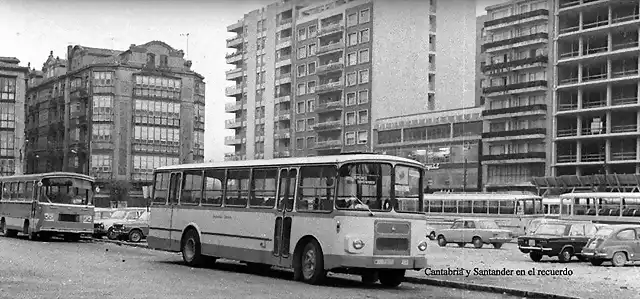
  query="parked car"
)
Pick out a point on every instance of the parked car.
point(133, 231)
point(100, 214)
point(119, 215)
point(562, 239)
point(618, 244)
point(535, 223)
point(475, 231)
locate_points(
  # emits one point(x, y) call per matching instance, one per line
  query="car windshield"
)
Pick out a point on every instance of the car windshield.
point(66, 191)
point(488, 225)
point(551, 229)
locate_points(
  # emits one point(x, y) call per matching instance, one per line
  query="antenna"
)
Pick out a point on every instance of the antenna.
point(187, 36)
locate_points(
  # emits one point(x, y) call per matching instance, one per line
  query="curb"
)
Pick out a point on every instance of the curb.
point(484, 288)
point(424, 281)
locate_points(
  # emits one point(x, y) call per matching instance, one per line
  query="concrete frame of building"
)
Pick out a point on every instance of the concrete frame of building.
point(13, 82)
point(115, 115)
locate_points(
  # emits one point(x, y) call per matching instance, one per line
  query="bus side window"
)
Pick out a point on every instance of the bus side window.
point(213, 187)
point(465, 206)
point(14, 191)
point(507, 207)
point(529, 208)
point(21, 193)
point(425, 207)
point(480, 207)
point(263, 188)
point(161, 188)
point(315, 188)
point(28, 192)
point(191, 187)
point(493, 206)
point(237, 187)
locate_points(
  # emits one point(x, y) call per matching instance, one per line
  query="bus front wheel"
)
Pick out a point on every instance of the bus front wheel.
point(311, 265)
point(191, 249)
point(391, 278)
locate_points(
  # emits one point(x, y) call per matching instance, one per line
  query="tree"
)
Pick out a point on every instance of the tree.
point(119, 190)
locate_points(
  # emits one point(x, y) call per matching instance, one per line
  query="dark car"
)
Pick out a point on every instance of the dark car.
point(133, 231)
point(619, 244)
point(561, 239)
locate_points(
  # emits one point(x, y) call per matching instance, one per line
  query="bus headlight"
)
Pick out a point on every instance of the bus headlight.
point(357, 244)
point(48, 216)
point(422, 246)
point(87, 218)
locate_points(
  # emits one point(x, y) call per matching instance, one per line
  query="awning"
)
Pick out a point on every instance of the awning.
point(570, 183)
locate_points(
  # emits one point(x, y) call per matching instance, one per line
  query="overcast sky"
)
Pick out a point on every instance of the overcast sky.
point(32, 28)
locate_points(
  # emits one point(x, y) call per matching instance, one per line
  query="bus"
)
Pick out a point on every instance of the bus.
point(551, 207)
point(313, 215)
point(47, 204)
point(510, 211)
point(602, 207)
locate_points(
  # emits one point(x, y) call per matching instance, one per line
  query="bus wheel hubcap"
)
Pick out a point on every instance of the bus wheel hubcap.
point(190, 249)
point(309, 263)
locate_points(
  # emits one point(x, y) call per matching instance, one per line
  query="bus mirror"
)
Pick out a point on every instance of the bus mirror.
point(97, 189)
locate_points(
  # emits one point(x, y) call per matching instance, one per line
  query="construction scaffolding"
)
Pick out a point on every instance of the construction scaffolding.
point(547, 186)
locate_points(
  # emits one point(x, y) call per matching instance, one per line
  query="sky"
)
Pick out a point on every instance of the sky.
point(32, 28)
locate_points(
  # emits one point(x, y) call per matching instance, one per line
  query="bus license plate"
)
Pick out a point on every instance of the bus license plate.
point(383, 261)
point(532, 242)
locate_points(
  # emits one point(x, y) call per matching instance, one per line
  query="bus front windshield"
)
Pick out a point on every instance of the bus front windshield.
point(66, 191)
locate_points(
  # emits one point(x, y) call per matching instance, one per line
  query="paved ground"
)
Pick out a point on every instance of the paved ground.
point(58, 269)
point(585, 281)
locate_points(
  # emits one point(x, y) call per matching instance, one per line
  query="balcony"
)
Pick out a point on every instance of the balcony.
point(518, 19)
point(282, 99)
point(331, 86)
point(629, 128)
point(232, 140)
point(233, 57)
point(331, 28)
point(592, 157)
point(333, 66)
point(283, 42)
point(330, 48)
point(231, 91)
point(233, 123)
point(330, 106)
point(511, 133)
point(235, 27)
point(234, 157)
point(283, 78)
point(234, 74)
point(282, 134)
point(539, 108)
point(286, 21)
point(283, 60)
point(570, 132)
point(496, 68)
point(516, 87)
point(517, 156)
point(232, 107)
point(623, 156)
point(328, 125)
point(540, 37)
point(283, 115)
point(234, 41)
point(570, 158)
point(328, 144)
point(282, 154)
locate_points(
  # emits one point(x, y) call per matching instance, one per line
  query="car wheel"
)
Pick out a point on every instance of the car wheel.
point(477, 242)
point(535, 256)
point(497, 245)
point(596, 262)
point(565, 255)
point(442, 242)
point(135, 236)
point(111, 234)
point(619, 259)
point(432, 236)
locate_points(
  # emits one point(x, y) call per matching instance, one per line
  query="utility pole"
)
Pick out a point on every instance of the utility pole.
point(187, 36)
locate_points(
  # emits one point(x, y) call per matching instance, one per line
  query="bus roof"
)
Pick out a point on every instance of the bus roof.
point(294, 161)
point(483, 196)
point(600, 194)
point(39, 176)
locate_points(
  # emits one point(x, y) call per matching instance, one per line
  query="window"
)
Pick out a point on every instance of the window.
point(300, 143)
point(352, 58)
point(311, 68)
point(350, 138)
point(316, 188)
point(191, 187)
point(300, 125)
point(311, 86)
point(300, 107)
point(365, 16)
point(351, 79)
point(351, 99)
point(364, 183)
point(160, 188)
point(302, 34)
point(363, 116)
point(627, 234)
point(352, 39)
point(164, 61)
point(301, 70)
point(363, 137)
point(407, 188)
point(7, 115)
point(311, 105)
point(263, 188)
point(364, 56)
point(352, 19)
point(302, 52)
point(311, 142)
point(364, 76)
point(313, 30)
point(237, 187)
point(302, 89)
point(364, 36)
point(351, 118)
point(7, 142)
point(213, 179)
point(312, 49)
point(151, 59)
point(8, 88)
point(101, 132)
point(363, 96)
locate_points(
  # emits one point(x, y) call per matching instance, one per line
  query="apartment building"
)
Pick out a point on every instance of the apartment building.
point(116, 115)
point(517, 90)
point(311, 78)
point(448, 142)
point(596, 109)
point(12, 98)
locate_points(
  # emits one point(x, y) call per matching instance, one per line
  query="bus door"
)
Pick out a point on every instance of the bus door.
point(175, 186)
point(282, 233)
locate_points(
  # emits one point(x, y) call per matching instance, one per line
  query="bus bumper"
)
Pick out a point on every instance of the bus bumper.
point(68, 230)
point(376, 262)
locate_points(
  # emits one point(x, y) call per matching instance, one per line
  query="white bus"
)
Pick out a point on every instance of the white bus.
point(602, 207)
point(510, 211)
point(313, 214)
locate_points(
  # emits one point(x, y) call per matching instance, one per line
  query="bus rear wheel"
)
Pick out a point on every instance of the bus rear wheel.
point(391, 278)
point(191, 249)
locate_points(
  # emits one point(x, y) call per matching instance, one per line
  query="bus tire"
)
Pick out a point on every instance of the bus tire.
point(392, 278)
point(310, 267)
point(135, 236)
point(191, 249)
point(442, 242)
point(477, 242)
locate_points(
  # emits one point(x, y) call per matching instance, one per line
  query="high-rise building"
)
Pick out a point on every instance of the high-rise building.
point(13, 78)
point(115, 115)
point(312, 77)
point(517, 91)
point(596, 108)
point(481, 58)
